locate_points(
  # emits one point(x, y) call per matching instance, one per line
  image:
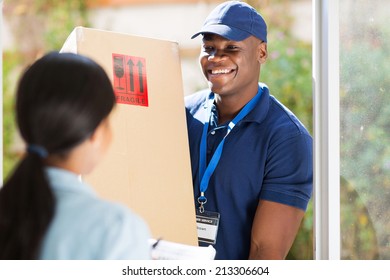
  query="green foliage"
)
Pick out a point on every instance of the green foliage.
point(11, 61)
point(61, 18)
point(365, 150)
point(358, 235)
point(52, 19)
point(287, 72)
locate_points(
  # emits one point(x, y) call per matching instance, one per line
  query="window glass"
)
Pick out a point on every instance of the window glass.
point(365, 129)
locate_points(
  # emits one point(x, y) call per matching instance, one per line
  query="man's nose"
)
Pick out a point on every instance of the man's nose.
point(216, 55)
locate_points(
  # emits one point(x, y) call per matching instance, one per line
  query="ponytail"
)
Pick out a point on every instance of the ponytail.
point(60, 101)
point(26, 209)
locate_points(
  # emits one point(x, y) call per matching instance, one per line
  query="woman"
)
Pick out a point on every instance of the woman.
point(63, 105)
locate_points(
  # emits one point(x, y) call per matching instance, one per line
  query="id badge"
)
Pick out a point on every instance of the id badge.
point(207, 224)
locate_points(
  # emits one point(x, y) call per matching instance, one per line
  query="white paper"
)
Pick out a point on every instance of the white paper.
point(167, 250)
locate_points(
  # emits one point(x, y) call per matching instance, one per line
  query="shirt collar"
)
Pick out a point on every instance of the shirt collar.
point(258, 114)
point(64, 180)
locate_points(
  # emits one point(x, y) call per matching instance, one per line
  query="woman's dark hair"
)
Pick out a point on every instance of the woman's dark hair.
point(61, 99)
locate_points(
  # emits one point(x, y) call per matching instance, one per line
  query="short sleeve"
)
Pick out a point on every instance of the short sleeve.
point(289, 172)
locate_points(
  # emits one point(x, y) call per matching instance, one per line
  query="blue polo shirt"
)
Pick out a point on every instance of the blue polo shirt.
point(267, 155)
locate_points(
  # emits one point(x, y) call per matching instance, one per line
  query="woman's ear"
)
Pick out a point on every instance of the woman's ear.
point(262, 52)
point(95, 138)
point(101, 138)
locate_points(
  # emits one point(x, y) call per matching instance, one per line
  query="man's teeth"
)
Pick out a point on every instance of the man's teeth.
point(220, 71)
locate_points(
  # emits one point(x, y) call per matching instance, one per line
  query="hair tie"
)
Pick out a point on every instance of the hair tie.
point(38, 150)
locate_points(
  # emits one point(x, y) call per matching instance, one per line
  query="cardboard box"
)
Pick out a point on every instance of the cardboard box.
point(148, 164)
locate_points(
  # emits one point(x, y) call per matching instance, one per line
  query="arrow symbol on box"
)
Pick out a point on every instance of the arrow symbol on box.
point(131, 74)
point(140, 75)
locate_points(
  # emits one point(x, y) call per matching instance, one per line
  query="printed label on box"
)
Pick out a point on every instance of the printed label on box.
point(130, 85)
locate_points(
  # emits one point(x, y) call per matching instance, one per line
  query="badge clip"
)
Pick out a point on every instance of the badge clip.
point(202, 200)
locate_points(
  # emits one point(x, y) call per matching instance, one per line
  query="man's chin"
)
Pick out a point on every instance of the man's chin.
point(214, 88)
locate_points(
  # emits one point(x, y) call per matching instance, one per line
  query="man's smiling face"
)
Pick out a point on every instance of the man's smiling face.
point(230, 66)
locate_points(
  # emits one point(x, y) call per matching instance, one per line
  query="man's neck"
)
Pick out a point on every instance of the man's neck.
point(229, 106)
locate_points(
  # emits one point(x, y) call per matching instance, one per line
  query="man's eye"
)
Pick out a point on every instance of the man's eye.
point(231, 47)
point(208, 48)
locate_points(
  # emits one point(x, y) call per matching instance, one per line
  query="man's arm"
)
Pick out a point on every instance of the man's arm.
point(274, 229)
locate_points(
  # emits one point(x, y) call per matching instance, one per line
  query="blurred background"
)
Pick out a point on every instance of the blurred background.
point(32, 27)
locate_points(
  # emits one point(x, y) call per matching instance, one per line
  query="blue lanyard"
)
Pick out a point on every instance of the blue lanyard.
point(206, 172)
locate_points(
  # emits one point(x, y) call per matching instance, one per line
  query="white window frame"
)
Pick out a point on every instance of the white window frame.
point(326, 130)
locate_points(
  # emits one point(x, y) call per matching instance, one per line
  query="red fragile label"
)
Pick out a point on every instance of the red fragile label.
point(130, 84)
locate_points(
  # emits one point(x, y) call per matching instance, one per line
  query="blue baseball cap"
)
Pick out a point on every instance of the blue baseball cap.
point(236, 21)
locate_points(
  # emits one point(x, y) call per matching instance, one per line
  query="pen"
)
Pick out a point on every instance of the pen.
point(156, 243)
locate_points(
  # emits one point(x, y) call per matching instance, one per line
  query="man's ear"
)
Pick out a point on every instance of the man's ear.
point(262, 52)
